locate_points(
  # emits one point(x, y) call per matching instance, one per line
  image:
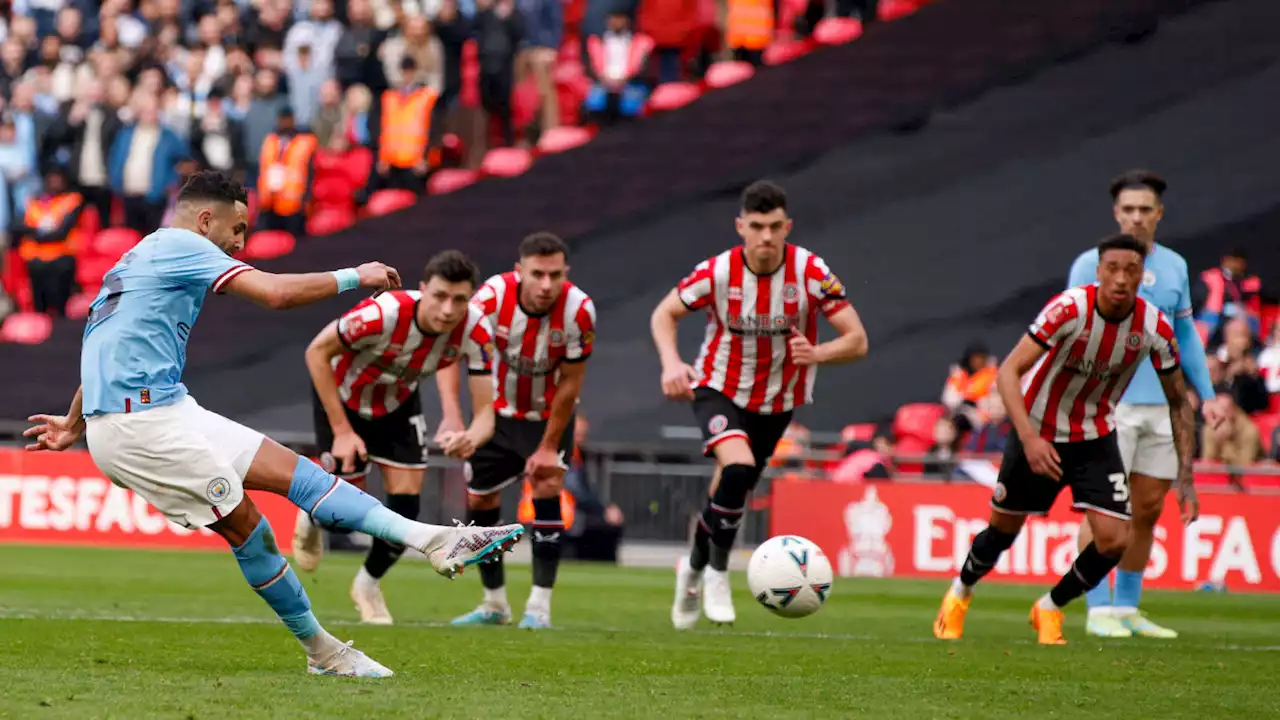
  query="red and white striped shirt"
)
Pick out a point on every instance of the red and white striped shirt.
point(388, 353)
point(1072, 391)
point(746, 355)
point(526, 369)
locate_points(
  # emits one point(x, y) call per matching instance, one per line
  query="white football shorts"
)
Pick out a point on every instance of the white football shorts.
point(1145, 433)
point(187, 462)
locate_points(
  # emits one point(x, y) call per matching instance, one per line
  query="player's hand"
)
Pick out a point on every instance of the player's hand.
point(1214, 412)
point(1043, 458)
point(545, 462)
point(677, 382)
point(803, 352)
point(1188, 501)
point(53, 432)
point(376, 276)
point(449, 425)
point(346, 446)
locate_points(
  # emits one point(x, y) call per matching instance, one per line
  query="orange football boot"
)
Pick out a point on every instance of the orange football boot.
point(950, 622)
point(1048, 625)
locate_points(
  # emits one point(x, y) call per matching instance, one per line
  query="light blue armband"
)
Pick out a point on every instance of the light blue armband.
point(348, 279)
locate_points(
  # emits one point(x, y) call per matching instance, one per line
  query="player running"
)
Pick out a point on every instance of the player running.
point(1142, 418)
point(1095, 337)
point(756, 365)
point(365, 367)
point(147, 434)
point(544, 329)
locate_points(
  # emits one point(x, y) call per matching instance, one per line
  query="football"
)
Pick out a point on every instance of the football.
point(790, 575)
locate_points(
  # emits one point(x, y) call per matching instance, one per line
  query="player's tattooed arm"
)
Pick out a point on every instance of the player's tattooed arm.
point(1183, 417)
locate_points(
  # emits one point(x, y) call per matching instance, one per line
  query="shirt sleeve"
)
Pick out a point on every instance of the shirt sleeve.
point(697, 289)
point(1185, 308)
point(191, 260)
point(1164, 348)
point(486, 298)
point(360, 328)
point(1055, 322)
point(479, 348)
point(581, 338)
point(825, 288)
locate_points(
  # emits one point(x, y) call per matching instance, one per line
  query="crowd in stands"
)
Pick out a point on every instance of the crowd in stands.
point(320, 104)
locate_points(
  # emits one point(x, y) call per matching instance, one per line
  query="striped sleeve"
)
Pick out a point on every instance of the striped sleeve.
point(489, 295)
point(825, 289)
point(697, 289)
point(479, 348)
point(362, 326)
point(581, 338)
point(1056, 321)
point(1164, 347)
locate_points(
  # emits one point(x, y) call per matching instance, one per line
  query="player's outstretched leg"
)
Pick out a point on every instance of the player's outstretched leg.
point(548, 527)
point(1110, 538)
point(335, 503)
point(1147, 494)
point(985, 551)
point(269, 574)
point(713, 540)
point(494, 609)
point(366, 589)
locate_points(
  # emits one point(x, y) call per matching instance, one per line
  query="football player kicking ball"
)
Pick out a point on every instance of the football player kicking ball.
point(145, 433)
point(544, 329)
point(1085, 347)
point(365, 368)
point(757, 364)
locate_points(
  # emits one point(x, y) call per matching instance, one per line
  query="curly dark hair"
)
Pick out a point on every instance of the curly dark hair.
point(452, 266)
point(212, 186)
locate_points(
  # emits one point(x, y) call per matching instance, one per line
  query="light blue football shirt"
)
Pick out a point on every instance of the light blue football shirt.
point(1166, 284)
point(135, 340)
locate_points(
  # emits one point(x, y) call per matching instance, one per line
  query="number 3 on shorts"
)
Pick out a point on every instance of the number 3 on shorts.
point(1121, 486)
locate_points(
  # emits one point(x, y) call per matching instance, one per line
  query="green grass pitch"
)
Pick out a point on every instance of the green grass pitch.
point(129, 634)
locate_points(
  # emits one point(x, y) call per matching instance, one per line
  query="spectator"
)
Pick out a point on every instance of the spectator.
point(305, 79)
point(942, 453)
point(453, 29)
point(616, 59)
point(356, 56)
point(217, 141)
point(284, 177)
point(327, 120)
point(403, 132)
point(89, 127)
point(992, 433)
point(971, 380)
point(321, 34)
point(499, 30)
point(143, 166)
point(542, 22)
point(18, 176)
point(670, 23)
point(1225, 292)
point(1240, 372)
point(1235, 441)
point(260, 119)
point(867, 461)
point(49, 240)
point(356, 122)
point(749, 29)
point(426, 49)
point(33, 131)
point(598, 528)
point(1269, 362)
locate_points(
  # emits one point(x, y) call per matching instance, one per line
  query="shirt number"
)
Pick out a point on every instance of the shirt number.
point(1121, 493)
point(114, 285)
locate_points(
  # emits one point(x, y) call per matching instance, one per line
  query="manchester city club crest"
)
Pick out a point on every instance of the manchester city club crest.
point(218, 490)
point(1148, 279)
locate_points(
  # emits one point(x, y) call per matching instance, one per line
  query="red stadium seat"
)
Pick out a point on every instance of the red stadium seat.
point(90, 223)
point(13, 276)
point(359, 165)
point(27, 328)
point(916, 420)
point(1275, 402)
point(443, 182)
point(268, 245)
point(1266, 424)
point(329, 220)
point(784, 51)
point(672, 95)
point(330, 190)
point(724, 74)
point(89, 271)
point(78, 305)
point(470, 93)
point(114, 242)
point(896, 9)
point(506, 162)
point(858, 431)
point(837, 30)
point(385, 202)
point(565, 137)
point(1269, 316)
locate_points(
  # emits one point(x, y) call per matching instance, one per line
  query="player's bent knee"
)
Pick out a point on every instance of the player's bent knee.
point(734, 451)
point(487, 501)
point(547, 487)
point(272, 468)
point(1112, 540)
point(1007, 523)
point(402, 481)
point(239, 524)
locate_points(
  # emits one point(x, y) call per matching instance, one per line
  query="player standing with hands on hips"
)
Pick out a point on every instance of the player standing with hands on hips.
point(1143, 427)
point(145, 433)
point(1082, 351)
point(758, 363)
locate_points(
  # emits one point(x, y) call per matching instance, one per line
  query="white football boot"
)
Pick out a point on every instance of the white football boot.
point(686, 609)
point(347, 661)
point(465, 545)
point(366, 593)
point(308, 543)
point(717, 597)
